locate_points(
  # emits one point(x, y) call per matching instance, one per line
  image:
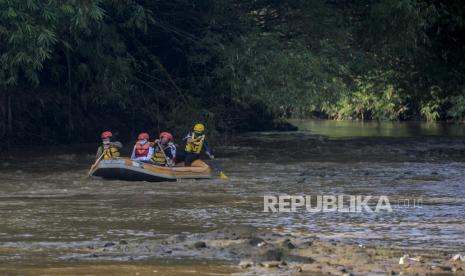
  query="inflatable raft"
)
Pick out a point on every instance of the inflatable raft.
point(126, 169)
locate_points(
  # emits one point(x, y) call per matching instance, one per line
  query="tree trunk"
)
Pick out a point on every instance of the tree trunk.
point(158, 115)
point(9, 120)
point(70, 96)
point(3, 107)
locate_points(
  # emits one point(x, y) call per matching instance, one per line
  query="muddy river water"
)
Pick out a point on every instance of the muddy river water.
point(49, 214)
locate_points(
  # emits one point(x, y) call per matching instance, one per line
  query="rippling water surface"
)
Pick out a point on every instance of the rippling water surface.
point(48, 211)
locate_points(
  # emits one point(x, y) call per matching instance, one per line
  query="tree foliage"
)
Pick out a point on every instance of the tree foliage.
point(71, 69)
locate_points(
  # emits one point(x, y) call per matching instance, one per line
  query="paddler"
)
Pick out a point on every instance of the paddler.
point(195, 143)
point(142, 150)
point(109, 149)
point(165, 155)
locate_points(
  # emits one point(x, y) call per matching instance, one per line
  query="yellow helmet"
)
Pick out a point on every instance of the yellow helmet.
point(199, 127)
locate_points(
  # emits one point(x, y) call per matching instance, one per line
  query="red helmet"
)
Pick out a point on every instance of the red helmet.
point(166, 135)
point(143, 136)
point(106, 134)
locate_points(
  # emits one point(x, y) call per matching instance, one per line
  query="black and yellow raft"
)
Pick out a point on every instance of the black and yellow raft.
point(128, 170)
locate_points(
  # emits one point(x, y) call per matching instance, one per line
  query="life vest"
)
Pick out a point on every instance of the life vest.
point(195, 147)
point(158, 156)
point(142, 150)
point(110, 153)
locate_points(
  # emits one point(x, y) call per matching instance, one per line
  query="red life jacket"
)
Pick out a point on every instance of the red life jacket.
point(142, 150)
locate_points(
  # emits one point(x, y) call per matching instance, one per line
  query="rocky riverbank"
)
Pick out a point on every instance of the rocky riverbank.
point(271, 252)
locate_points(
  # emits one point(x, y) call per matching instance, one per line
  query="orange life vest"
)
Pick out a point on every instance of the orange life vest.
point(142, 150)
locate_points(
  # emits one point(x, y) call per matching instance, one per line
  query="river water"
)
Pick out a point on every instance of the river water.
point(48, 212)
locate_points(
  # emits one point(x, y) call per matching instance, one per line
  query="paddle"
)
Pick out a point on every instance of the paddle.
point(217, 167)
point(164, 154)
point(95, 165)
point(166, 158)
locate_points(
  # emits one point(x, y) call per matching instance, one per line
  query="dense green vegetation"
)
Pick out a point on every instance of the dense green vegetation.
point(70, 69)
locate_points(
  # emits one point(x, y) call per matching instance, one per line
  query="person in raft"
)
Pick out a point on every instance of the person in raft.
point(165, 155)
point(195, 143)
point(109, 149)
point(142, 150)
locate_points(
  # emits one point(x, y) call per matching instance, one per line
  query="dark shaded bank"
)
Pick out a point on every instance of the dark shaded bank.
point(250, 122)
point(230, 121)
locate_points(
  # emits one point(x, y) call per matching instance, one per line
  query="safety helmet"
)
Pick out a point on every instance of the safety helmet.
point(106, 135)
point(166, 135)
point(143, 136)
point(199, 127)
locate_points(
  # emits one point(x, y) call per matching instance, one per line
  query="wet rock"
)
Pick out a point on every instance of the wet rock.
point(246, 264)
point(291, 246)
point(288, 244)
point(177, 238)
point(123, 242)
point(270, 264)
point(458, 257)
point(445, 268)
point(240, 232)
point(256, 241)
point(298, 259)
point(303, 179)
point(200, 244)
point(267, 255)
point(306, 244)
point(109, 244)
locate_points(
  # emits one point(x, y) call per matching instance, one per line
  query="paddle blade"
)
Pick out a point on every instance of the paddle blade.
point(223, 176)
